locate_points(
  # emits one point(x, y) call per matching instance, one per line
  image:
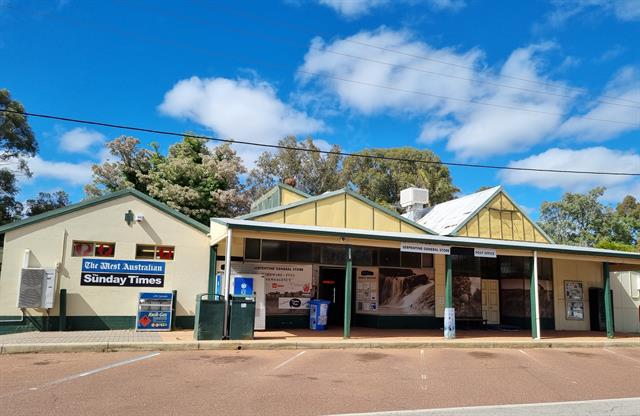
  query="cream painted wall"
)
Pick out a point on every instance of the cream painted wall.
point(587, 272)
point(626, 300)
point(50, 242)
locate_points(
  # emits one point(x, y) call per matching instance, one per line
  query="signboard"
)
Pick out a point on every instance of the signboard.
point(293, 303)
point(154, 311)
point(126, 273)
point(485, 252)
point(424, 248)
point(243, 286)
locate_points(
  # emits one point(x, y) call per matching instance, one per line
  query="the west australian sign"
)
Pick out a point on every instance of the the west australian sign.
point(130, 273)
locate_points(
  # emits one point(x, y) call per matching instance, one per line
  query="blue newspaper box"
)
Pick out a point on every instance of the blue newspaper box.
point(318, 313)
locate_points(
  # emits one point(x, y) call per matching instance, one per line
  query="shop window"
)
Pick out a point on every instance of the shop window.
point(427, 261)
point(333, 255)
point(274, 250)
point(252, 249)
point(362, 256)
point(389, 257)
point(152, 252)
point(412, 260)
point(300, 252)
point(93, 249)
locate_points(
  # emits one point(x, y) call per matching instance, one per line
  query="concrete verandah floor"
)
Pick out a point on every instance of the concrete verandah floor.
point(359, 333)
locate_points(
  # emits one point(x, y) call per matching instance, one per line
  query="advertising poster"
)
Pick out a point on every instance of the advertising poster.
point(282, 281)
point(573, 297)
point(405, 291)
point(125, 273)
point(367, 290)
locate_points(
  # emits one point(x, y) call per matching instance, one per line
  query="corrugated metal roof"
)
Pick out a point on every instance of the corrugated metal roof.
point(445, 218)
point(424, 238)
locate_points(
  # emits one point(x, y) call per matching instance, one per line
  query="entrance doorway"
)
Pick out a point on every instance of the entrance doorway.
point(490, 301)
point(331, 288)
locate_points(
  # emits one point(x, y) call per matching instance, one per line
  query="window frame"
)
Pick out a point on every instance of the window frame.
point(94, 246)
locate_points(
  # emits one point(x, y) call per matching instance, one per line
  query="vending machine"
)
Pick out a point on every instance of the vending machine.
point(251, 286)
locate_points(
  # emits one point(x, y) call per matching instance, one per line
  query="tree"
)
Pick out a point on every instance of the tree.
point(382, 180)
point(130, 168)
point(17, 142)
point(46, 202)
point(581, 219)
point(314, 173)
point(198, 181)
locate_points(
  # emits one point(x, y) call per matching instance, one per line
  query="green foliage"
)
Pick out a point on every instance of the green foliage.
point(46, 202)
point(612, 245)
point(198, 181)
point(314, 172)
point(581, 219)
point(382, 180)
point(17, 142)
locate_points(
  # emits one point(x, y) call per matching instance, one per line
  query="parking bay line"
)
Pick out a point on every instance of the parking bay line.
point(287, 361)
point(92, 372)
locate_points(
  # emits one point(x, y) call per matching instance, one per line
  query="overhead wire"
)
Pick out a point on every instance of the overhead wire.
point(308, 150)
point(270, 63)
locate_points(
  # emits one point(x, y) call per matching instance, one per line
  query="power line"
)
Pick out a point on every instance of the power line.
point(274, 39)
point(289, 24)
point(183, 45)
point(328, 152)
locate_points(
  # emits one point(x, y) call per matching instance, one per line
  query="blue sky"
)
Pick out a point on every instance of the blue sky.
point(559, 81)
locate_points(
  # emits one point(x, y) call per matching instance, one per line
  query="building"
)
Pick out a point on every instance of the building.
point(478, 255)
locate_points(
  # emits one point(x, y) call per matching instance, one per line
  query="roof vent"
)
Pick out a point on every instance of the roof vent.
point(413, 198)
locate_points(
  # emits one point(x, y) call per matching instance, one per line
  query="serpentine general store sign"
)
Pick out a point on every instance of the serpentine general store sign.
point(424, 248)
point(126, 273)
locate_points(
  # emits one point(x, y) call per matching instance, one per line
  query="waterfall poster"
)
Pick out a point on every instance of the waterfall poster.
point(407, 291)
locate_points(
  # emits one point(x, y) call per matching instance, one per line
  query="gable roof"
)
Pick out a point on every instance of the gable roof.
point(449, 217)
point(347, 191)
point(102, 199)
point(271, 198)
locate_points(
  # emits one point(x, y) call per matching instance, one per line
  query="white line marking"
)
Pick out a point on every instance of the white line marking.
point(95, 371)
point(542, 364)
point(491, 407)
point(282, 364)
point(621, 355)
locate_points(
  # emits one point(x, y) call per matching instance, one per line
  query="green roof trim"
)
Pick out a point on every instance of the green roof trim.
point(453, 241)
point(271, 198)
point(500, 189)
point(326, 195)
point(102, 199)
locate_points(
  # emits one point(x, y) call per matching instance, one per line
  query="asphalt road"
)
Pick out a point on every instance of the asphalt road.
point(311, 382)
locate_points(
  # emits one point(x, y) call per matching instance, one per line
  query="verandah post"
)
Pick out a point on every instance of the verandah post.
point(449, 312)
point(608, 303)
point(347, 295)
point(533, 297)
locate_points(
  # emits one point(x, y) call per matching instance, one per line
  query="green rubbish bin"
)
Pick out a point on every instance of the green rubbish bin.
point(209, 320)
point(242, 317)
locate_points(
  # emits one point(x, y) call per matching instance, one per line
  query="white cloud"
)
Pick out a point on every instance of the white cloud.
point(353, 8)
point(80, 140)
point(356, 8)
point(625, 10)
point(473, 130)
point(71, 173)
point(238, 109)
point(598, 159)
point(623, 89)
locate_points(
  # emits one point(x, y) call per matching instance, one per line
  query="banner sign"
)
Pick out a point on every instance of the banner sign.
point(126, 273)
point(485, 252)
point(293, 303)
point(154, 311)
point(424, 248)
